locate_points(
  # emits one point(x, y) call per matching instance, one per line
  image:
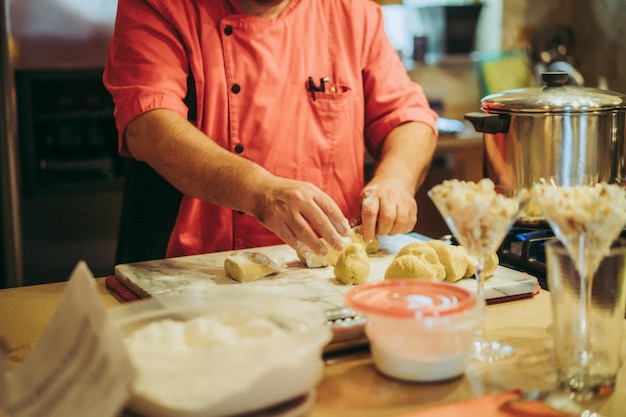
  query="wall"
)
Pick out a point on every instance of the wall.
point(602, 47)
point(600, 35)
point(48, 33)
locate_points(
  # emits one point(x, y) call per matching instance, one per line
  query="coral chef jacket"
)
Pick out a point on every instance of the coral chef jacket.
point(250, 76)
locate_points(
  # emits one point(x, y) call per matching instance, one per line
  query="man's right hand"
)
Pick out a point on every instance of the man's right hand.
point(296, 210)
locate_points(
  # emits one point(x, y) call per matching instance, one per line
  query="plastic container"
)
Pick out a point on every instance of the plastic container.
point(418, 331)
point(228, 352)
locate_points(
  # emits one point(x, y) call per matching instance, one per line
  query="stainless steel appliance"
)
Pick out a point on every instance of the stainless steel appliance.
point(11, 271)
point(554, 130)
point(69, 172)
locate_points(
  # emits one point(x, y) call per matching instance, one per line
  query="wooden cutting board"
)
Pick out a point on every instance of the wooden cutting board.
point(317, 285)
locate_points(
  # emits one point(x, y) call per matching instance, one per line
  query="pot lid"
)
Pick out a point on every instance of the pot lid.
point(554, 97)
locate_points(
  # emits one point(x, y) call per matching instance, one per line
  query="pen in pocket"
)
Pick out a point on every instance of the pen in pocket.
point(324, 86)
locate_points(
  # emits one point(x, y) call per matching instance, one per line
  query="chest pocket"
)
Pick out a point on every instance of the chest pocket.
point(333, 112)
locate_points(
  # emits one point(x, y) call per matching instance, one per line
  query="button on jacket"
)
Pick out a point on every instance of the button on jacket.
point(251, 79)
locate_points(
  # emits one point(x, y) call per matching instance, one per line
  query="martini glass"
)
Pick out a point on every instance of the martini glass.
point(479, 215)
point(587, 216)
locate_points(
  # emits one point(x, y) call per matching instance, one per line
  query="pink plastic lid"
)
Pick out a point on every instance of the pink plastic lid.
point(406, 298)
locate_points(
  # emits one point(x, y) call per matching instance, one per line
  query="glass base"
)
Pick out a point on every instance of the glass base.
point(556, 400)
point(485, 350)
point(582, 386)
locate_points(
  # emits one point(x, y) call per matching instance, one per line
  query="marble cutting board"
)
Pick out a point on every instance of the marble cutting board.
point(317, 285)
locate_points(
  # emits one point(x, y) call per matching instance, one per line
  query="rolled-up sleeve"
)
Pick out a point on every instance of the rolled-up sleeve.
point(391, 97)
point(146, 67)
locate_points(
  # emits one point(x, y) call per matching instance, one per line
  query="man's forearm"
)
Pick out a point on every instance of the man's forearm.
point(193, 163)
point(406, 155)
point(294, 210)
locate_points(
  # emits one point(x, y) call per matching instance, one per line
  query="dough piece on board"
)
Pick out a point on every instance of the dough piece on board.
point(454, 259)
point(311, 260)
point(471, 267)
point(410, 266)
point(353, 265)
point(249, 266)
point(427, 254)
point(490, 265)
point(371, 247)
point(333, 254)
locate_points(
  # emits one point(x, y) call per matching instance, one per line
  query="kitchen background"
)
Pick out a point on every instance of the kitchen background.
point(61, 179)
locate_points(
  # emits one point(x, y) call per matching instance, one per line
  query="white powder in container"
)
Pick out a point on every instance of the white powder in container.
point(200, 364)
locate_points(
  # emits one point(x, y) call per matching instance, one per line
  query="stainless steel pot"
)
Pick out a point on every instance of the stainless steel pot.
point(552, 130)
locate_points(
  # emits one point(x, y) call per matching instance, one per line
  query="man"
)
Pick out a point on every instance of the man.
point(288, 95)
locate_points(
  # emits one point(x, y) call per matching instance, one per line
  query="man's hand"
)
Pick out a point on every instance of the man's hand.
point(388, 203)
point(387, 209)
point(296, 210)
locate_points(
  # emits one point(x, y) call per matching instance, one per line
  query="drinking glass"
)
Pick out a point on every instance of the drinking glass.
point(479, 215)
point(587, 216)
point(587, 366)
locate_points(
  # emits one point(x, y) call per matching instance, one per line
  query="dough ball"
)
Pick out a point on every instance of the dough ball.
point(353, 265)
point(333, 254)
point(453, 258)
point(243, 267)
point(311, 259)
point(357, 237)
point(490, 265)
point(410, 266)
point(471, 267)
point(427, 254)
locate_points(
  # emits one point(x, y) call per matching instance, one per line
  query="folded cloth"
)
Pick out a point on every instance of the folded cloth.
point(493, 405)
point(118, 288)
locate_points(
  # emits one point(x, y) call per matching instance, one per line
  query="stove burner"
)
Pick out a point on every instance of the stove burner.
point(523, 249)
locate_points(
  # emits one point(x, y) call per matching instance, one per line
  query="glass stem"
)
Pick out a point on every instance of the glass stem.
point(480, 292)
point(586, 284)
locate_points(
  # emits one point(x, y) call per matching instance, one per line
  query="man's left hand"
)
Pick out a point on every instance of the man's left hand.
point(387, 209)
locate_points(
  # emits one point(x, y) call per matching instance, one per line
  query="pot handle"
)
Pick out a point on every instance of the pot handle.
point(555, 78)
point(489, 123)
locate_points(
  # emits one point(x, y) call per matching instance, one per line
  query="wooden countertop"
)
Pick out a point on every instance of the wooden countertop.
point(351, 386)
point(26, 311)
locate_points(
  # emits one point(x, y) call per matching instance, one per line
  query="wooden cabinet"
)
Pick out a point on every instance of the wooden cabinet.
point(454, 158)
